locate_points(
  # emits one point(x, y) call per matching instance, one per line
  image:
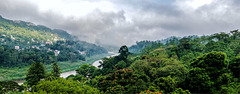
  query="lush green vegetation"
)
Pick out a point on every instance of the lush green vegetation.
point(63, 86)
point(16, 73)
point(206, 64)
point(23, 42)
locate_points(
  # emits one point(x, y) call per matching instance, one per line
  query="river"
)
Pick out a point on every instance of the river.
point(95, 63)
point(66, 74)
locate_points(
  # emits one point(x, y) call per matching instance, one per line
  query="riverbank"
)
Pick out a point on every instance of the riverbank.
point(95, 63)
point(19, 73)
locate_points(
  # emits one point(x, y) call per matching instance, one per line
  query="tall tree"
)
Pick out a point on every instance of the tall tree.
point(124, 51)
point(86, 70)
point(35, 73)
point(56, 70)
point(63, 86)
point(205, 71)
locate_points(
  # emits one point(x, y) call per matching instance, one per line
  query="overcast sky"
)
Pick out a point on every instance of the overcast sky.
point(123, 22)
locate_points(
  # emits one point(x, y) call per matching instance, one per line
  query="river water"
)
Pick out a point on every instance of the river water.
point(66, 74)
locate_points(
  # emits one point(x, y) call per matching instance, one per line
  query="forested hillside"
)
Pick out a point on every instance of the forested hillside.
point(22, 35)
point(206, 64)
point(22, 43)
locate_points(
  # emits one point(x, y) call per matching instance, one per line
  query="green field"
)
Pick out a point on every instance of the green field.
point(19, 73)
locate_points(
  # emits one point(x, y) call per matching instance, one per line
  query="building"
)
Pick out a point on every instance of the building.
point(17, 47)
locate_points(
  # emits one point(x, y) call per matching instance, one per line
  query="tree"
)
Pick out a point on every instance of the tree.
point(159, 65)
point(221, 36)
point(121, 65)
point(78, 78)
point(107, 65)
point(35, 73)
point(234, 66)
point(199, 81)
point(235, 34)
point(63, 86)
point(1, 91)
point(9, 86)
point(56, 70)
point(123, 81)
point(86, 70)
point(205, 72)
point(215, 63)
point(124, 51)
point(166, 84)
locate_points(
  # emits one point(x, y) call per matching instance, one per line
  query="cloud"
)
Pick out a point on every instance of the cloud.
point(121, 22)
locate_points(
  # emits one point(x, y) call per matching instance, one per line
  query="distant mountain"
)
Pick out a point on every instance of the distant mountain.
point(173, 40)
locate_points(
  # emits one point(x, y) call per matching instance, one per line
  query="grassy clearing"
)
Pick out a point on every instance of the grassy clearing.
point(18, 73)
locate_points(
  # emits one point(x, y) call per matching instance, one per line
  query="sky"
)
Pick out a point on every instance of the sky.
point(123, 22)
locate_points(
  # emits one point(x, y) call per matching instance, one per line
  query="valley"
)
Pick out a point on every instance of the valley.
point(119, 47)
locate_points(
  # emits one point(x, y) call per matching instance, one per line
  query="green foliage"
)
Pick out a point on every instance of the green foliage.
point(180, 65)
point(199, 81)
point(215, 63)
point(79, 78)
point(118, 89)
point(121, 65)
point(54, 74)
point(56, 70)
point(159, 65)
point(86, 70)
point(180, 91)
point(13, 73)
point(9, 86)
point(63, 86)
point(141, 45)
point(166, 84)
point(209, 72)
point(40, 44)
point(24, 34)
point(231, 88)
point(1, 91)
point(109, 65)
point(234, 66)
point(123, 80)
point(123, 52)
point(35, 73)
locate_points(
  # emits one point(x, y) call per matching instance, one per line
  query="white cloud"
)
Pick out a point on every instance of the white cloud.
point(74, 8)
point(198, 3)
point(191, 5)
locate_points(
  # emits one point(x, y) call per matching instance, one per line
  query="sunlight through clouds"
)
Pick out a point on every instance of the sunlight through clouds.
point(198, 3)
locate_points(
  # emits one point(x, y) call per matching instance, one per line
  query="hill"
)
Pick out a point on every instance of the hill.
point(22, 35)
point(23, 43)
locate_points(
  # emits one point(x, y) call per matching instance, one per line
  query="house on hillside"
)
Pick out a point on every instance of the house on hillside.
point(17, 47)
point(82, 53)
point(48, 42)
point(56, 52)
